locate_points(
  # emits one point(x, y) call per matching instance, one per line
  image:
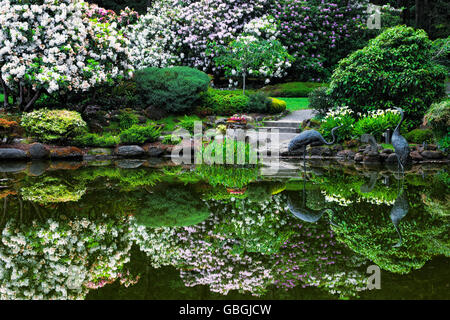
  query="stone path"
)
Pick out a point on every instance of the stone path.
point(299, 115)
point(289, 126)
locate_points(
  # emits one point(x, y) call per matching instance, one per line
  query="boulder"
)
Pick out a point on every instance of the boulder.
point(98, 152)
point(358, 157)
point(392, 158)
point(326, 152)
point(220, 121)
point(70, 153)
point(429, 154)
point(12, 154)
point(346, 155)
point(372, 157)
point(154, 113)
point(155, 151)
point(387, 151)
point(316, 151)
point(383, 156)
point(416, 156)
point(38, 151)
point(130, 151)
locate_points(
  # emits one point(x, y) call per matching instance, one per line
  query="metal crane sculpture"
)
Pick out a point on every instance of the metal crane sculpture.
point(400, 144)
point(299, 209)
point(398, 212)
point(297, 206)
point(310, 137)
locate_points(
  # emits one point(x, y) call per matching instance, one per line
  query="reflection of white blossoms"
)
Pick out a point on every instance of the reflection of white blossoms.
point(56, 260)
point(337, 199)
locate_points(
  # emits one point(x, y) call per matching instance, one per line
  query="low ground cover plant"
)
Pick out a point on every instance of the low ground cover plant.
point(53, 125)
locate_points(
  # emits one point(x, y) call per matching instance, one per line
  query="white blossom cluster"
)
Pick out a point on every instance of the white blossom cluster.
point(263, 27)
point(338, 113)
point(54, 46)
point(153, 40)
point(204, 21)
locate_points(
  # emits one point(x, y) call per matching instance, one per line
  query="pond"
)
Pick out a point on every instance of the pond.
point(99, 231)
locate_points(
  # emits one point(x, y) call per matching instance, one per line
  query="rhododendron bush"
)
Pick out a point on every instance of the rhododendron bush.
point(319, 33)
point(49, 46)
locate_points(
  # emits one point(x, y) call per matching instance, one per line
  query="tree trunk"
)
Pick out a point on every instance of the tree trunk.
point(243, 83)
point(20, 95)
point(32, 101)
point(418, 13)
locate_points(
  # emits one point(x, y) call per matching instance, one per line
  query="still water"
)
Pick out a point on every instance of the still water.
point(73, 231)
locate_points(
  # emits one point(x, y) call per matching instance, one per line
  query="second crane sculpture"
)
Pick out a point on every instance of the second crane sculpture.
point(312, 138)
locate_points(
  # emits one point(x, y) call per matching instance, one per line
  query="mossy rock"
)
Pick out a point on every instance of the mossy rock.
point(420, 136)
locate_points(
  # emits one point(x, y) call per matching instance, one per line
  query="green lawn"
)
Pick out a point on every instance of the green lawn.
point(296, 103)
point(2, 97)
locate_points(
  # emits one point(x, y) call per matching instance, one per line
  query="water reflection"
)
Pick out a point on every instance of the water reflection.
point(70, 234)
point(398, 212)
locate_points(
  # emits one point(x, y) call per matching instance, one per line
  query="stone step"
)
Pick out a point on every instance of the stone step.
point(283, 124)
point(282, 129)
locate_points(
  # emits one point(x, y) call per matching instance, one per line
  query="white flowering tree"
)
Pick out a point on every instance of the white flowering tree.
point(248, 55)
point(50, 46)
point(153, 41)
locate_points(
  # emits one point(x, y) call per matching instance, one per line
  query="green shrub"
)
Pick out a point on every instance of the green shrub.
point(53, 125)
point(320, 101)
point(95, 140)
point(438, 116)
point(444, 143)
point(227, 176)
point(337, 117)
point(377, 122)
point(225, 103)
point(188, 123)
point(169, 139)
point(175, 89)
point(441, 51)
point(259, 102)
point(419, 136)
point(127, 119)
point(394, 70)
point(277, 105)
point(243, 153)
point(140, 134)
point(291, 89)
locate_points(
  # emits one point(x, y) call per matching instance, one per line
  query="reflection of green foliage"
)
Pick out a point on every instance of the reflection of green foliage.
point(51, 190)
point(127, 179)
point(219, 192)
point(373, 235)
point(181, 175)
point(174, 206)
point(349, 187)
point(437, 199)
point(258, 225)
point(263, 190)
point(228, 176)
